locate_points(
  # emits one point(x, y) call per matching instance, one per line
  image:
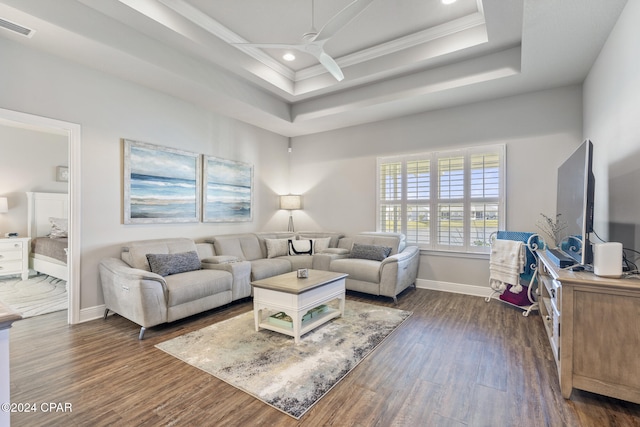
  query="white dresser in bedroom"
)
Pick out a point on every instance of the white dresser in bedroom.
point(14, 257)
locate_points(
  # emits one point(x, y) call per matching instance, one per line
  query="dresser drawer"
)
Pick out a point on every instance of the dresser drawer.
point(10, 247)
point(11, 266)
point(10, 255)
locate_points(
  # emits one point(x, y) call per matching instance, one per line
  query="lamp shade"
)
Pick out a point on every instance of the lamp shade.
point(4, 206)
point(291, 202)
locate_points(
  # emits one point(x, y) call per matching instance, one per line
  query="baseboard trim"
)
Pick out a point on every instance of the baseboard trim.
point(91, 313)
point(456, 288)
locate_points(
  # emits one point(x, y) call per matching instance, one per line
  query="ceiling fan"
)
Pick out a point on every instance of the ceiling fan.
point(313, 41)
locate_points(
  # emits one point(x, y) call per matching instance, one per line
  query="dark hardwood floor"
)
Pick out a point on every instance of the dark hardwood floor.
point(458, 361)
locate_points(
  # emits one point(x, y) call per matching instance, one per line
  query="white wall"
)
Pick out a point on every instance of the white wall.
point(109, 109)
point(28, 161)
point(612, 121)
point(336, 171)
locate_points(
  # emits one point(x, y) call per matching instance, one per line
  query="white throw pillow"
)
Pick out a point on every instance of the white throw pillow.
point(59, 227)
point(301, 247)
point(321, 244)
point(277, 247)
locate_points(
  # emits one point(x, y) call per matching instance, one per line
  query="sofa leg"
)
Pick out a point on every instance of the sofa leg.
point(141, 336)
point(395, 300)
point(106, 313)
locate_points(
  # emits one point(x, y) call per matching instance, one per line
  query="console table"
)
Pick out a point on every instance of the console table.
point(592, 325)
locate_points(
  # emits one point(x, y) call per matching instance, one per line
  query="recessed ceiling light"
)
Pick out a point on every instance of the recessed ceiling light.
point(448, 1)
point(288, 57)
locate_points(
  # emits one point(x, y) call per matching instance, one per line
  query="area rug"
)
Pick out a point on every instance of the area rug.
point(37, 295)
point(270, 367)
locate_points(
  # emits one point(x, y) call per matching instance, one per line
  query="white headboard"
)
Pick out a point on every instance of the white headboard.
point(42, 206)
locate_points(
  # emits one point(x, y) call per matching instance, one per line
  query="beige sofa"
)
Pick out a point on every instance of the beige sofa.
point(147, 298)
point(377, 263)
point(388, 276)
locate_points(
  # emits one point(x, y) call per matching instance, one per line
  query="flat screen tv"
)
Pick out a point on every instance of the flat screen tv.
point(576, 185)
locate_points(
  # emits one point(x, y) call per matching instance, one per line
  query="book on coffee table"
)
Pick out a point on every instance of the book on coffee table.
point(282, 319)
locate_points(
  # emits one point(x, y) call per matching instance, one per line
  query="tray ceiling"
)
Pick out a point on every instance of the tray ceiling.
point(398, 56)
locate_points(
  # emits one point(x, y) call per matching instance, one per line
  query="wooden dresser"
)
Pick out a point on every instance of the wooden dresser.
point(593, 324)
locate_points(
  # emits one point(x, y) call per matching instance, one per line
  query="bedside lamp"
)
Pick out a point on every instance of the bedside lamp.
point(291, 202)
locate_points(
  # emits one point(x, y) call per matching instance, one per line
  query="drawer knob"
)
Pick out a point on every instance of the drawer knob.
point(547, 317)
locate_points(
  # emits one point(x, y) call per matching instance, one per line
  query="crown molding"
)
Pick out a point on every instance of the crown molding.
point(214, 27)
point(217, 29)
point(411, 40)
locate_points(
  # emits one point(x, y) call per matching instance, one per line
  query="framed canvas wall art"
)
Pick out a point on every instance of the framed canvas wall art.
point(161, 184)
point(228, 192)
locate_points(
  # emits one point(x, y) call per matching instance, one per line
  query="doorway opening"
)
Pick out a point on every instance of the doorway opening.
point(73, 132)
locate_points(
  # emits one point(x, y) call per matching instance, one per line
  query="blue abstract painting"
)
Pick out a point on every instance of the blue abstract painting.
point(160, 184)
point(229, 190)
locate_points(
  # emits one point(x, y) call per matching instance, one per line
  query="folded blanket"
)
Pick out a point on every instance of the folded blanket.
point(506, 264)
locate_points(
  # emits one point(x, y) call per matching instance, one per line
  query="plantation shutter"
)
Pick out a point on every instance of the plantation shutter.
point(391, 186)
point(449, 200)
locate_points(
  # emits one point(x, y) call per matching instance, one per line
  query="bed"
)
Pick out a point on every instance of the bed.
point(48, 253)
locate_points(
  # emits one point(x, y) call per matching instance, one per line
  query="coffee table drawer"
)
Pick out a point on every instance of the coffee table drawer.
point(309, 298)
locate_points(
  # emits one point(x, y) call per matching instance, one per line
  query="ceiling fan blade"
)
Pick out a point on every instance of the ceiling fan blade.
point(343, 17)
point(273, 46)
point(331, 66)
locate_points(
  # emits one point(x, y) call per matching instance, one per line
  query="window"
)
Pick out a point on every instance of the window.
point(449, 200)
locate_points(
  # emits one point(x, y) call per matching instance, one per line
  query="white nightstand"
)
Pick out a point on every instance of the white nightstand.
point(14, 257)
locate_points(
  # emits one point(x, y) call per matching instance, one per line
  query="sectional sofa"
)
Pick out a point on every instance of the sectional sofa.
point(163, 280)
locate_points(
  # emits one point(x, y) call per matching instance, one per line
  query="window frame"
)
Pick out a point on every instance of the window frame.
point(434, 201)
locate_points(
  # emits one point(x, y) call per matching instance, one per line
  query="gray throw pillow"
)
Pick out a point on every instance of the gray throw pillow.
point(372, 252)
point(167, 264)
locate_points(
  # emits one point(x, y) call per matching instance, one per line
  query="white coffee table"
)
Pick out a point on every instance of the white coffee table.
point(296, 296)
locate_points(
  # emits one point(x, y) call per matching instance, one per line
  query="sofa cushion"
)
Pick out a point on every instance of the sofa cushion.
point(205, 250)
point(221, 259)
point(135, 253)
point(194, 285)
point(320, 244)
point(263, 268)
point(243, 246)
point(396, 241)
point(277, 247)
point(333, 236)
point(357, 269)
point(279, 235)
point(336, 251)
point(298, 261)
point(372, 252)
point(168, 264)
